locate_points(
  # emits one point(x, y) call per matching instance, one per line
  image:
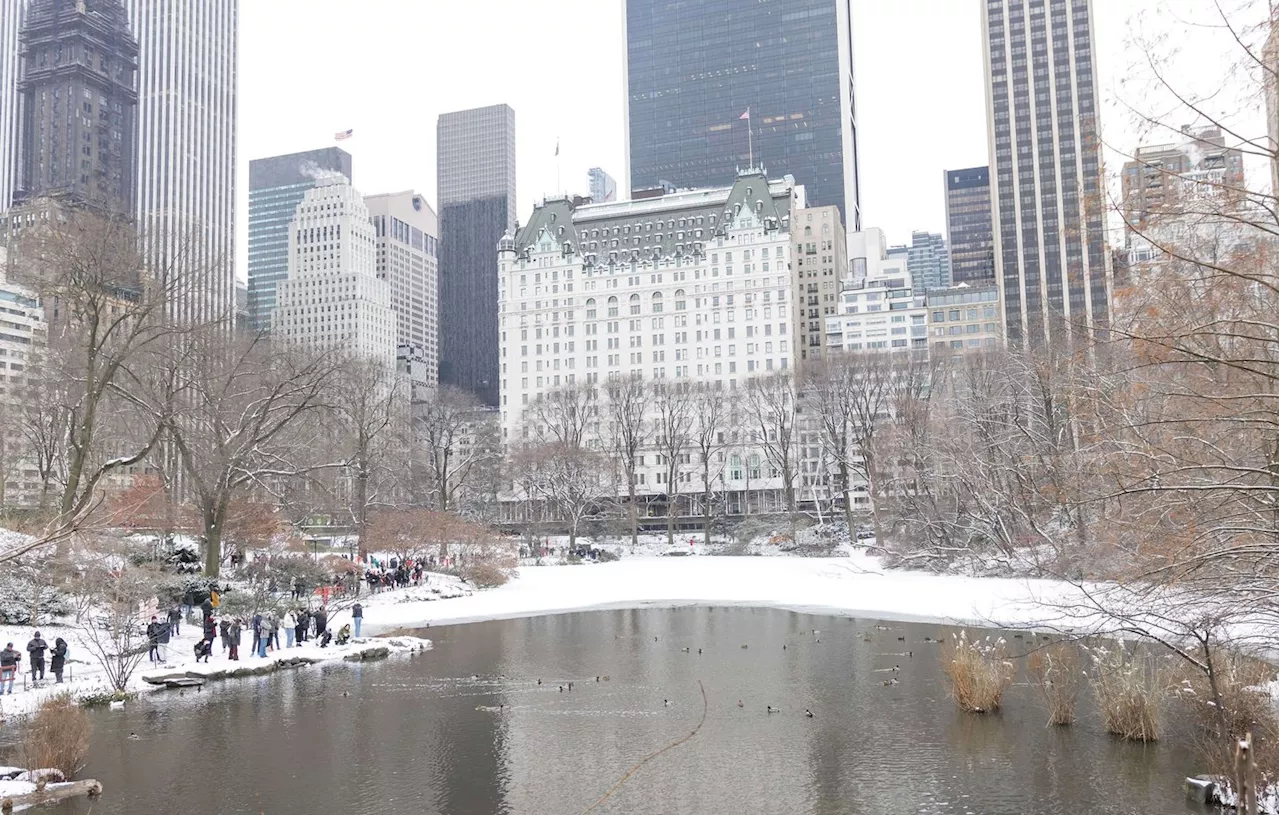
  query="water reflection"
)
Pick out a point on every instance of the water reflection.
point(468, 728)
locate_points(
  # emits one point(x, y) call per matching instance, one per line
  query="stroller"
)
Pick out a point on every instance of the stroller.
point(203, 648)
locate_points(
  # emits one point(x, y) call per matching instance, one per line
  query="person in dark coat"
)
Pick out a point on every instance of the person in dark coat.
point(257, 632)
point(163, 640)
point(300, 630)
point(153, 639)
point(233, 638)
point(224, 633)
point(206, 608)
point(322, 620)
point(357, 617)
point(59, 660)
point(9, 659)
point(36, 648)
point(175, 621)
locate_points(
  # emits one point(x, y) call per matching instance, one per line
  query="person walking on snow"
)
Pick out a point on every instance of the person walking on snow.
point(36, 648)
point(357, 617)
point(9, 659)
point(175, 621)
point(153, 639)
point(59, 659)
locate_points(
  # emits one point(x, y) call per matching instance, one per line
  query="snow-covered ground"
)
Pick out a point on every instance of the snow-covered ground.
point(848, 586)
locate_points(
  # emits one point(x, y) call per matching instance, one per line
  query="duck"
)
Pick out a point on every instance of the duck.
point(771, 709)
point(896, 669)
point(784, 647)
point(684, 650)
point(744, 647)
point(539, 681)
point(902, 639)
point(117, 705)
point(133, 737)
point(908, 655)
point(740, 703)
point(474, 677)
point(346, 693)
point(1017, 636)
point(889, 682)
point(808, 713)
point(597, 679)
point(570, 686)
point(666, 703)
point(655, 639)
point(560, 688)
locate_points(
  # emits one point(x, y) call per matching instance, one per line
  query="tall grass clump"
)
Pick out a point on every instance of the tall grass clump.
point(58, 736)
point(1057, 673)
point(978, 671)
point(1129, 687)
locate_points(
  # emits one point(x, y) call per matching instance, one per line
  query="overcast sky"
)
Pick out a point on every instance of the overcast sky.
point(387, 68)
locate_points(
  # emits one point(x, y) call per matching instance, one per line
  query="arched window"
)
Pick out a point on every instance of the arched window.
point(657, 302)
point(680, 303)
point(591, 308)
point(613, 306)
point(808, 230)
point(634, 303)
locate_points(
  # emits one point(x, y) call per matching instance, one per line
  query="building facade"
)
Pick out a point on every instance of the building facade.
point(12, 13)
point(879, 309)
point(333, 297)
point(188, 53)
point(601, 186)
point(969, 241)
point(78, 98)
point(929, 261)
point(23, 333)
point(701, 74)
point(964, 318)
point(476, 169)
point(819, 264)
point(408, 249)
point(1048, 219)
point(1161, 176)
point(276, 186)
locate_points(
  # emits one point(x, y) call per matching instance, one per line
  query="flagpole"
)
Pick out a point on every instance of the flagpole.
point(558, 190)
point(751, 154)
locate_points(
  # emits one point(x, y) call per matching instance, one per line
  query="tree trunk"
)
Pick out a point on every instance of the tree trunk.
point(213, 517)
point(706, 505)
point(848, 503)
point(362, 504)
point(634, 511)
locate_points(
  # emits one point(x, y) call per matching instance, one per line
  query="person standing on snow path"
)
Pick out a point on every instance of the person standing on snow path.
point(357, 617)
point(274, 631)
point(153, 639)
point(256, 621)
point(36, 648)
point(163, 641)
point(9, 659)
point(233, 637)
point(263, 635)
point(224, 633)
point(322, 620)
point(290, 628)
point(59, 660)
point(302, 617)
point(175, 621)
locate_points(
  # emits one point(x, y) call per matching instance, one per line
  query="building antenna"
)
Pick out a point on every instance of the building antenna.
point(751, 155)
point(558, 190)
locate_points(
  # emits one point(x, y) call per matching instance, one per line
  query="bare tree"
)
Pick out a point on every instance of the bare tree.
point(115, 632)
point(459, 444)
point(673, 408)
point(771, 409)
point(568, 478)
point(628, 434)
point(712, 418)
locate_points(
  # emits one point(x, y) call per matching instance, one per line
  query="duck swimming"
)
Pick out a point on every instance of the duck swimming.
point(771, 709)
point(740, 703)
point(808, 713)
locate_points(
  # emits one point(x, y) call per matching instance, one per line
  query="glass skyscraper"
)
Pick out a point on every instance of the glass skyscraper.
point(969, 225)
point(694, 68)
point(1042, 124)
point(276, 186)
point(476, 171)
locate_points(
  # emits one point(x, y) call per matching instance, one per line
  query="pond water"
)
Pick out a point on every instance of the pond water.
point(428, 735)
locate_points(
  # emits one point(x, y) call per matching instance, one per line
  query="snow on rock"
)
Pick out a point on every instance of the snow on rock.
point(14, 788)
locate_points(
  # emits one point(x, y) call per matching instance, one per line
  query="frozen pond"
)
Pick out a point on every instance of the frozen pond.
point(422, 735)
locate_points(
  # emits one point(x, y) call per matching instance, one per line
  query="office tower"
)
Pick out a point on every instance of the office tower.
point(635, 309)
point(332, 297)
point(476, 170)
point(1047, 189)
point(819, 264)
point(928, 262)
point(78, 104)
point(276, 187)
point(965, 317)
point(12, 13)
point(969, 240)
point(408, 247)
point(187, 55)
point(601, 186)
point(695, 70)
point(1159, 176)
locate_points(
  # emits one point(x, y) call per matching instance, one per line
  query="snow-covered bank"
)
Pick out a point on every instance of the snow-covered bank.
point(847, 586)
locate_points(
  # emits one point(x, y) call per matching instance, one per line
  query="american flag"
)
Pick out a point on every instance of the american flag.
point(746, 114)
point(345, 134)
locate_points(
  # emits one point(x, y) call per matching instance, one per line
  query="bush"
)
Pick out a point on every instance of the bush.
point(1056, 671)
point(1128, 688)
point(1245, 705)
point(26, 596)
point(485, 575)
point(979, 671)
point(102, 698)
point(606, 555)
point(58, 736)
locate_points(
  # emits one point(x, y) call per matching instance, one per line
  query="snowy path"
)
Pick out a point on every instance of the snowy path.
point(847, 586)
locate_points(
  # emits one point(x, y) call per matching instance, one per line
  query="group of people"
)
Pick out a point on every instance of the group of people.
point(36, 647)
point(299, 625)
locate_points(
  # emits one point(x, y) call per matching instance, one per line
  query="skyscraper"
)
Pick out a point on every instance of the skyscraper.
point(333, 274)
point(408, 247)
point(700, 73)
point(187, 146)
point(78, 104)
point(11, 16)
point(476, 171)
point(969, 239)
point(276, 187)
point(1043, 138)
point(927, 262)
point(601, 186)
